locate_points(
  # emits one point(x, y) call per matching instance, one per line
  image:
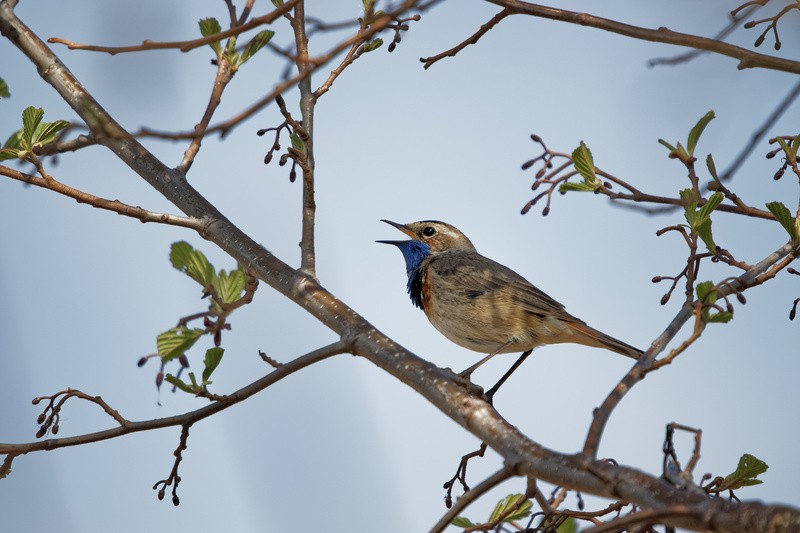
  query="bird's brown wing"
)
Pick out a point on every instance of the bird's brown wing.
point(480, 276)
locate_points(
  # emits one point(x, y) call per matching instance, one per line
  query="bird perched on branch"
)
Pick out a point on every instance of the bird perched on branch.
point(482, 305)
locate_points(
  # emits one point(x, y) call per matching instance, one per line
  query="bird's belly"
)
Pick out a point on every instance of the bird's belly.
point(485, 325)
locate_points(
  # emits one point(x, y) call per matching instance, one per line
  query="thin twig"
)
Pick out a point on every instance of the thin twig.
point(224, 74)
point(746, 58)
point(769, 266)
point(183, 46)
point(653, 516)
point(473, 39)
point(761, 132)
point(470, 496)
point(116, 206)
point(190, 417)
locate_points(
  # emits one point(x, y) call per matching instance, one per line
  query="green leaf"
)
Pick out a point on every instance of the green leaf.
point(4, 92)
point(210, 26)
point(795, 143)
point(584, 163)
point(712, 203)
point(697, 131)
point(508, 502)
point(791, 155)
point(6, 153)
point(297, 142)
point(568, 526)
point(213, 357)
point(704, 290)
point(192, 262)
point(185, 387)
point(784, 216)
point(704, 232)
point(14, 140)
point(712, 168)
point(374, 44)
point(256, 44)
point(31, 117)
point(721, 317)
point(689, 203)
point(229, 287)
point(572, 186)
point(45, 132)
point(747, 470)
point(172, 343)
point(681, 152)
point(461, 521)
point(668, 145)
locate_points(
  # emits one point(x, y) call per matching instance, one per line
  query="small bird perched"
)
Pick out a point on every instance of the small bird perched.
point(482, 305)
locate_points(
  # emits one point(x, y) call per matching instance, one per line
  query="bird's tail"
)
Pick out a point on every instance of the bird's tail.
point(601, 340)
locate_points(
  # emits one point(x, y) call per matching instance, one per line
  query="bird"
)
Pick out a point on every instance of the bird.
point(482, 305)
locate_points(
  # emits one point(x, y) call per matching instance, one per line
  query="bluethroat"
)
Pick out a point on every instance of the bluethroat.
point(482, 305)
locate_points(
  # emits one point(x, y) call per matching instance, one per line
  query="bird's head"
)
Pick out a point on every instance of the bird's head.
point(438, 236)
point(429, 237)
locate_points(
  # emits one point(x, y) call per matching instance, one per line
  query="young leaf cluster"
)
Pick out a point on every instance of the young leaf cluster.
point(748, 469)
point(212, 360)
point(34, 134)
point(707, 295)
point(521, 510)
point(224, 287)
point(226, 291)
point(210, 26)
point(4, 92)
point(686, 155)
point(790, 223)
point(584, 164)
point(700, 219)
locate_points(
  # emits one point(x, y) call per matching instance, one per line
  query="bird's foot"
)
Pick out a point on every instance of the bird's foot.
point(463, 380)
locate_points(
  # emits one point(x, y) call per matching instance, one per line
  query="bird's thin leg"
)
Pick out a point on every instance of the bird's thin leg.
point(468, 372)
point(490, 393)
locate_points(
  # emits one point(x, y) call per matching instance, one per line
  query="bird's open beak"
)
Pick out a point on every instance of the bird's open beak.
point(402, 228)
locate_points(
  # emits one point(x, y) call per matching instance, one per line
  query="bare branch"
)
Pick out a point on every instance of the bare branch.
point(183, 46)
point(756, 275)
point(736, 21)
point(746, 58)
point(428, 61)
point(185, 419)
point(307, 102)
point(761, 132)
point(224, 74)
point(470, 496)
point(144, 215)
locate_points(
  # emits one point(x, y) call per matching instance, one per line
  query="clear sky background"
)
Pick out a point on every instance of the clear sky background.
point(342, 446)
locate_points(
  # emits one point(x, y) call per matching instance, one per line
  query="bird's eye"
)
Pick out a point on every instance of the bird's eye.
point(429, 231)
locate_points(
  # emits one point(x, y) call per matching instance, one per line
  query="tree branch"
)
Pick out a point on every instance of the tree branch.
point(197, 224)
point(471, 495)
point(441, 387)
point(473, 39)
point(746, 58)
point(752, 277)
point(307, 102)
point(183, 46)
point(186, 419)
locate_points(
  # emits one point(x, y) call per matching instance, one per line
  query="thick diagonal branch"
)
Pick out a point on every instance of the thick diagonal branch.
point(440, 387)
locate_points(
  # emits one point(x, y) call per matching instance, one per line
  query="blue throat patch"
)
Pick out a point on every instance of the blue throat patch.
point(414, 252)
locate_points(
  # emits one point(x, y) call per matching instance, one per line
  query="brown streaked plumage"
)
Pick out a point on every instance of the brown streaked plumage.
point(482, 305)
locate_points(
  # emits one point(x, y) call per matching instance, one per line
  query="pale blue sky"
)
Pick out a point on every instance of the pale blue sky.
point(342, 446)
